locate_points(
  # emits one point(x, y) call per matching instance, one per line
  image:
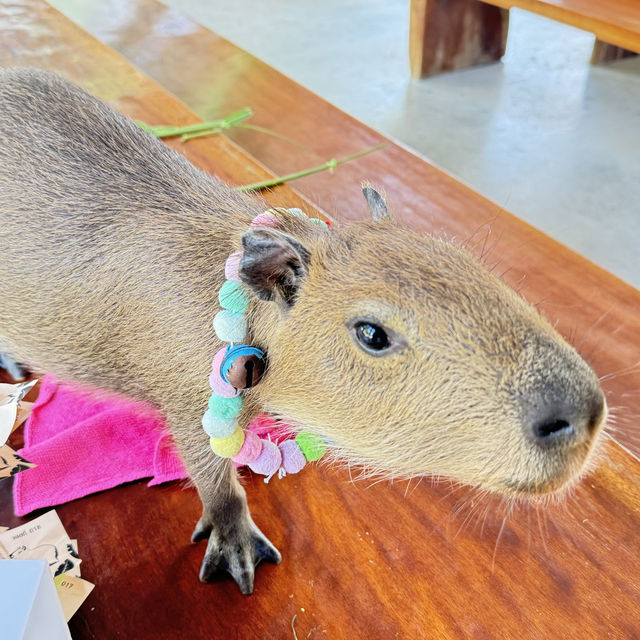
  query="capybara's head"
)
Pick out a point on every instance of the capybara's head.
point(412, 358)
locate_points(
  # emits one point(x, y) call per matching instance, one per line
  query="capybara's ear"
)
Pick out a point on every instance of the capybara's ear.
point(273, 264)
point(376, 203)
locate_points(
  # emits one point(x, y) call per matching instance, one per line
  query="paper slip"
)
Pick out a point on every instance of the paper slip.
point(3, 552)
point(10, 397)
point(72, 593)
point(23, 413)
point(45, 538)
point(11, 463)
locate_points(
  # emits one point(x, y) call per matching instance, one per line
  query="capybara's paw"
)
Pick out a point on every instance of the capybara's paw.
point(236, 549)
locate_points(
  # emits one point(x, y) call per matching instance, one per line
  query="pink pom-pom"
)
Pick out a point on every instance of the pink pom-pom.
point(231, 266)
point(217, 384)
point(265, 220)
point(292, 457)
point(269, 460)
point(251, 449)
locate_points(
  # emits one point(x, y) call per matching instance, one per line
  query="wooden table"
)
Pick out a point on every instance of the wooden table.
point(360, 561)
point(454, 34)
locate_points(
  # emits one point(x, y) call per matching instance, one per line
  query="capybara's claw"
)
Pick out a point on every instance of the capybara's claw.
point(238, 550)
point(201, 532)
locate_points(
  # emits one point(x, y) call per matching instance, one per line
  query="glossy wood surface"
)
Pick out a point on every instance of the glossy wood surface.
point(614, 21)
point(360, 560)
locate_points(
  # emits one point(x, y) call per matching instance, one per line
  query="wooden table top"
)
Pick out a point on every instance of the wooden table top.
point(614, 21)
point(359, 561)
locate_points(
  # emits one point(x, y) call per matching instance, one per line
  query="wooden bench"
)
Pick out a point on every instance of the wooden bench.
point(387, 560)
point(454, 34)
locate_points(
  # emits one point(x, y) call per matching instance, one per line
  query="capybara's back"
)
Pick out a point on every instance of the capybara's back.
point(102, 227)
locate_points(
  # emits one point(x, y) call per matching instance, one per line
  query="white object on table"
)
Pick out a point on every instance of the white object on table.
point(29, 604)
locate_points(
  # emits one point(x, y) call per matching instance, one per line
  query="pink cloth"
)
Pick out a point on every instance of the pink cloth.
point(83, 444)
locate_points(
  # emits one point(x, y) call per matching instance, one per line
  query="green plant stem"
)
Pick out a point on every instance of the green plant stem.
point(330, 165)
point(213, 127)
point(168, 131)
point(199, 134)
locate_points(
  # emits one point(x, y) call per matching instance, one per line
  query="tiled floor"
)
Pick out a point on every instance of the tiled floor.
point(544, 134)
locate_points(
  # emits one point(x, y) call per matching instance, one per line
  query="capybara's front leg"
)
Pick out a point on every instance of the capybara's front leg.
point(235, 544)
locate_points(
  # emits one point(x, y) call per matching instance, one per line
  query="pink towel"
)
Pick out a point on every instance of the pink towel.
point(84, 444)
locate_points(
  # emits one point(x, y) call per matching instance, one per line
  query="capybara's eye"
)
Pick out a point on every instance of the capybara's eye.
point(371, 336)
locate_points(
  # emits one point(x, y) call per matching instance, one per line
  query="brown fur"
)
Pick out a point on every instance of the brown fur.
point(114, 247)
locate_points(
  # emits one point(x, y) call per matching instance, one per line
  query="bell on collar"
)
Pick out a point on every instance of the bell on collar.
point(243, 366)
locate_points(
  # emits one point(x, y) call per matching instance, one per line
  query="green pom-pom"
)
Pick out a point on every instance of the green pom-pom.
point(225, 408)
point(233, 297)
point(318, 222)
point(311, 445)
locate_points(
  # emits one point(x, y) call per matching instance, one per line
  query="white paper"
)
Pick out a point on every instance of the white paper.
point(45, 538)
point(10, 397)
point(30, 607)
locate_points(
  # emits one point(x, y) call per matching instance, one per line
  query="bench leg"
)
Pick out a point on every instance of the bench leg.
point(454, 34)
point(605, 52)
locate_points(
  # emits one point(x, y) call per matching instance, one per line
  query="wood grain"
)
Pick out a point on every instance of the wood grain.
point(605, 52)
point(361, 560)
point(614, 21)
point(445, 35)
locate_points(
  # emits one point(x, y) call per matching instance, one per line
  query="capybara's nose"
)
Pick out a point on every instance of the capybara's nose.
point(566, 421)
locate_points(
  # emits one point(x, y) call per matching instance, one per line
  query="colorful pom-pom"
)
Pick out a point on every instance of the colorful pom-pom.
point(312, 445)
point(216, 427)
point(239, 366)
point(251, 449)
point(265, 220)
point(269, 460)
point(230, 326)
point(232, 265)
point(318, 222)
point(225, 408)
point(217, 384)
point(228, 447)
point(233, 296)
point(293, 459)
